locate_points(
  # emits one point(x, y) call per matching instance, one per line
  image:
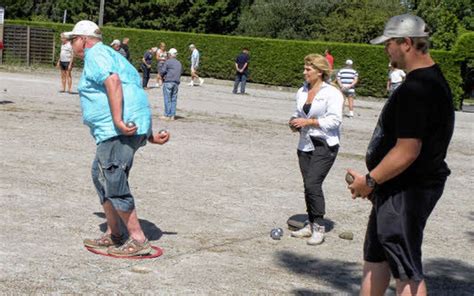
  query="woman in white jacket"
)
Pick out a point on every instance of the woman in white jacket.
point(318, 118)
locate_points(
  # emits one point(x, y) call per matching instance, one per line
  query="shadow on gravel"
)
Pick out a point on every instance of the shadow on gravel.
point(152, 232)
point(5, 102)
point(340, 275)
point(449, 277)
point(443, 276)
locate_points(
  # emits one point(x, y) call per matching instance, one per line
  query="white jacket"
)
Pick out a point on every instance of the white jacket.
point(327, 109)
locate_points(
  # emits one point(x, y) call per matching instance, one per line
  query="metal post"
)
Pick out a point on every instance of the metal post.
point(2, 16)
point(54, 51)
point(64, 16)
point(101, 13)
point(28, 41)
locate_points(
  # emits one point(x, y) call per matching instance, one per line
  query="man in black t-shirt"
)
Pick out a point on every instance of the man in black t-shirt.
point(124, 46)
point(241, 66)
point(405, 160)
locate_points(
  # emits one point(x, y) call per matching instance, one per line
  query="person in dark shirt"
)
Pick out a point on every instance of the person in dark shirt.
point(171, 72)
point(146, 65)
point(124, 46)
point(241, 66)
point(405, 161)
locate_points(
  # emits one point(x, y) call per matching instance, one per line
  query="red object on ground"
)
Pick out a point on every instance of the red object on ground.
point(158, 253)
point(1, 44)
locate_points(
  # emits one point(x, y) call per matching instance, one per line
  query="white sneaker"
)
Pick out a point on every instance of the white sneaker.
point(303, 232)
point(191, 83)
point(317, 237)
point(351, 114)
point(201, 81)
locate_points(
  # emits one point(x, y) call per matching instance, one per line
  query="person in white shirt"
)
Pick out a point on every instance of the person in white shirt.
point(65, 63)
point(195, 56)
point(395, 77)
point(318, 119)
point(161, 57)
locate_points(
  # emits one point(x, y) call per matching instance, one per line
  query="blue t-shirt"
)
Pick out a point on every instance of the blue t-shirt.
point(100, 62)
point(242, 59)
point(148, 57)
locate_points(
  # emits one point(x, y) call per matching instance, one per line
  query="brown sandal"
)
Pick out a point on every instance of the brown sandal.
point(131, 248)
point(105, 241)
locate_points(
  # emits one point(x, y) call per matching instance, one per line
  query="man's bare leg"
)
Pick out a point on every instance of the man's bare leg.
point(133, 226)
point(411, 288)
point(63, 79)
point(351, 103)
point(112, 217)
point(376, 278)
point(69, 81)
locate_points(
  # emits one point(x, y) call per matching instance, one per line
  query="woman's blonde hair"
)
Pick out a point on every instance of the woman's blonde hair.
point(318, 62)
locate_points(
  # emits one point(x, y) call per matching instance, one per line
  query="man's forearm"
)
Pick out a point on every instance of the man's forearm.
point(398, 159)
point(113, 85)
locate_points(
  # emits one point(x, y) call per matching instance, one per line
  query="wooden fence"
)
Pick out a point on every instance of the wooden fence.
point(28, 45)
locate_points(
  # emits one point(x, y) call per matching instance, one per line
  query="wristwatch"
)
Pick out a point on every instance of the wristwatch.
point(370, 181)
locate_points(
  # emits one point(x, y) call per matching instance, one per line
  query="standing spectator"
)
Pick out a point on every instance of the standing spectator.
point(405, 161)
point(241, 66)
point(318, 118)
point(125, 48)
point(65, 63)
point(146, 65)
point(171, 73)
point(111, 95)
point(330, 58)
point(395, 77)
point(195, 65)
point(116, 45)
point(161, 57)
point(347, 79)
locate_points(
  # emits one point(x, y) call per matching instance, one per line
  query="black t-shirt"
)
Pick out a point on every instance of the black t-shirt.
point(127, 51)
point(241, 60)
point(422, 108)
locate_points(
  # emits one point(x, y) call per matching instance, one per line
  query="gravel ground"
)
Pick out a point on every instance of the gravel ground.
point(209, 198)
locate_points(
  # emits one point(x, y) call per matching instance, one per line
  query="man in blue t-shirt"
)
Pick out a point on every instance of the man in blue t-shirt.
point(116, 109)
point(146, 65)
point(241, 66)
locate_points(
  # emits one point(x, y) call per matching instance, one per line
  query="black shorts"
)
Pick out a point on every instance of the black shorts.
point(395, 229)
point(64, 65)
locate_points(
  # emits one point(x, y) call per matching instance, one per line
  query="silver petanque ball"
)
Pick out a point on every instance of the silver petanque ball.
point(163, 131)
point(280, 230)
point(276, 233)
point(130, 124)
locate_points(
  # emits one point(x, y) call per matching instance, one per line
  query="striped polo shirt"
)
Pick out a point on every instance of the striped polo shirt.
point(347, 75)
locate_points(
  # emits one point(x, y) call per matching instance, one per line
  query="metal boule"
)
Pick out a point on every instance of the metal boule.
point(276, 234)
point(130, 124)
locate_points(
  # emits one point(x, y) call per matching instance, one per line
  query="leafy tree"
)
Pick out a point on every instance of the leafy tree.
point(359, 21)
point(286, 19)
point(446, 19)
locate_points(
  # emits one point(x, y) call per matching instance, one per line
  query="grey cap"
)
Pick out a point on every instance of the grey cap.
point(405, 25)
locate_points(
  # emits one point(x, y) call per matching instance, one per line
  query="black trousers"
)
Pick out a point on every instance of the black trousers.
point(146, 75)
point(315, 166)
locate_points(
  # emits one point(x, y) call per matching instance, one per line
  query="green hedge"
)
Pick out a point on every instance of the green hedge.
point(464, 47)
point(274, 62)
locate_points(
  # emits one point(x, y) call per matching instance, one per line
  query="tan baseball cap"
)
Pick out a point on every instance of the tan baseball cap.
point(84, 28)
point(173, 51)
point(405, 25)
point(115, 42)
